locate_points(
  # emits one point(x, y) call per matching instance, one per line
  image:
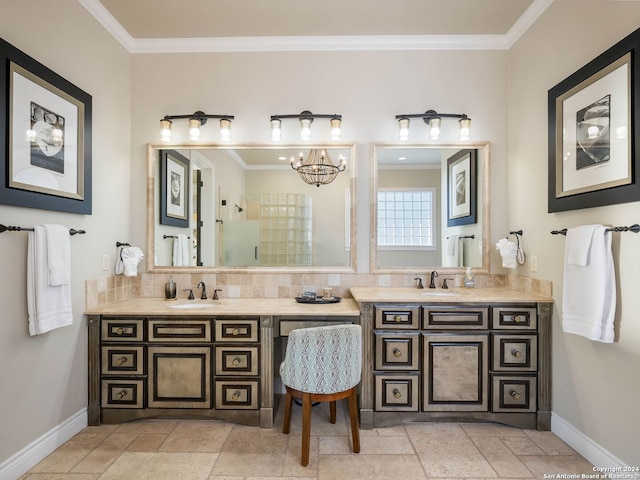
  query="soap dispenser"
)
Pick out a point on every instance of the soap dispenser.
point(170, 289)
point(469, 281)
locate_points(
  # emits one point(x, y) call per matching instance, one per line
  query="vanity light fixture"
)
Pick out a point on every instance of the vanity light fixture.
point(434, 120)
point(318, 169)
point(196, 120)
point(306, 119)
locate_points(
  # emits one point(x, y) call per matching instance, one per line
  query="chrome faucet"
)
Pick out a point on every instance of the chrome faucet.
point(419, 285)
point(204, 290)
point(432, 284)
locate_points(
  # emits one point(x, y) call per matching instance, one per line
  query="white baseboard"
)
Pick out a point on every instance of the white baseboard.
point(590, 450)
point(29, 456)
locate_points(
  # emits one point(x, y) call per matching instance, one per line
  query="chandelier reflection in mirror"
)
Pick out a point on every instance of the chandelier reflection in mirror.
point(318, 168)
point(434, 120)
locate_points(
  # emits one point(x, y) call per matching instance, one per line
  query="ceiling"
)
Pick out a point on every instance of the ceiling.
point(258, 25)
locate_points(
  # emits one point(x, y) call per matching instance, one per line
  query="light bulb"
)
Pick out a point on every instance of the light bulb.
point(276, 131)
point(434, 132)
point(165, 130)
point(194, 129)
point(403, 125)
point(305, 128)
point(225, 129)
point(465, 128)
point(336, 130)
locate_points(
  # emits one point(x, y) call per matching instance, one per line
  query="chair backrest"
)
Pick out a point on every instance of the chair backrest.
point(323, 359)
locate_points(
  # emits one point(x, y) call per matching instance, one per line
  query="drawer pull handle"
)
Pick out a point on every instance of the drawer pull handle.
point(516, 353)
point(119, 331)
point(514, 394)
point(397, 353)
point(518, 318)
point(396, 393)
point(397, 318)
point(235, 332)
point(121, 395)
point(121, 360)
point(236, 396)
point(235, 362)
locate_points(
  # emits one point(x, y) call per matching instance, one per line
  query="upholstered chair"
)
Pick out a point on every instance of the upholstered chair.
point(322, 364)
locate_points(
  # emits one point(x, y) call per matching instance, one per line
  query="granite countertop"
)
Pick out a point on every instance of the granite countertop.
point(439, 295)
point(227, 306)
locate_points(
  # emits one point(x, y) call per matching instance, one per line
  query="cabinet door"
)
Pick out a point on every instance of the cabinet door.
point(179, 377)
point(456, 372)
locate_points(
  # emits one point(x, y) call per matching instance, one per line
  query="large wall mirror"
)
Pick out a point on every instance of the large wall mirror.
point(430, 207)
point(243, 207)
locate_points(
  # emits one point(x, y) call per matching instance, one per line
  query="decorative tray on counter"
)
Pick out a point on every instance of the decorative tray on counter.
point(317, 300)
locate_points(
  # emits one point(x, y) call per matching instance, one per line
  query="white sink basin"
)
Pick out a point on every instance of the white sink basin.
point(443, 294)
point(188, 306)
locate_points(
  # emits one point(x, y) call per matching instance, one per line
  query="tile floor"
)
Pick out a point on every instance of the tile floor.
point(216, 450)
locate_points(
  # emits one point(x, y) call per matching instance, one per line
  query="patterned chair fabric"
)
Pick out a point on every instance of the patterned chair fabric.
point(323, 359)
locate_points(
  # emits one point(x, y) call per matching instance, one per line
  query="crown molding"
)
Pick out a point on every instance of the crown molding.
point(316, 43)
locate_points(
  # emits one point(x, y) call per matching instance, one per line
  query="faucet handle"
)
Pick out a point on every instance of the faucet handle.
point(215, 294)
point(191, 297)
point(419, 285)
point(444, 283)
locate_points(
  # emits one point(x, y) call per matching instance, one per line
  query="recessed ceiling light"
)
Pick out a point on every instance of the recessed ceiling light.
point(282, 158)
point(402, 158)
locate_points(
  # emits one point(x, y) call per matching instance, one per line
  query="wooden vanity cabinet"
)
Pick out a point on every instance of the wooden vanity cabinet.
point(459, 362)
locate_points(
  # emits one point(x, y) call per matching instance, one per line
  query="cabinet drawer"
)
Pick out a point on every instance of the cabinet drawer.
point(454, 318)
point(241, 330)
point(122, 393)
point(397, 392)
point(237, 360)
point(397, 351)
point(120, 360)
point(515, 352)
point(518, 317)
point(237, 394)
point(183, 331)
point(514, 393)
point(397, 317)
point(122, 330)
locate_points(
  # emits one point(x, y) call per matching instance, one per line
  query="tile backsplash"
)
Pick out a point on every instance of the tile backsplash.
point(105, 290)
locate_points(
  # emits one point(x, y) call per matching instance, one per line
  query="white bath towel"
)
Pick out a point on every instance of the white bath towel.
point(58, 254)
point(48, 307)
point(509, 253)
point(131, 257)
point(589, 290)
point(181, 251)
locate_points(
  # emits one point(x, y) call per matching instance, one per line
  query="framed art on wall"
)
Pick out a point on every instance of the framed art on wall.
point(48, 142)
point(461, 188)
point(174, 189)
point(592, 130)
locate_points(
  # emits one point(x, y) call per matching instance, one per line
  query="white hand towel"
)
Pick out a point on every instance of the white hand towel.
point(452, 242)
point(508, 252)
point(577, 244)
point(58, 254)
point(119, 262)
point(181, 251)
point(589, 291)
point(48, 307)
point(131, 257)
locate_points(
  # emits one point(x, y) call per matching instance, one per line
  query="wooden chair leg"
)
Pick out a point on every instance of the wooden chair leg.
point(332, 412)
point(287, 413)
point(353, 415)
point(306, 428)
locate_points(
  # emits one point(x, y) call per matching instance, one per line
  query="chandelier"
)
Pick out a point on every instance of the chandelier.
point(318, 169)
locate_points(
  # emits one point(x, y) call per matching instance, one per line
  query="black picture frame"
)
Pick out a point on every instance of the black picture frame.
point(42, 170)
point(462, 188)
point(174, 189)
point(601, 168)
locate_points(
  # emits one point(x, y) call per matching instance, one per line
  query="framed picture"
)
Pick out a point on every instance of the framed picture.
point(174, 189)
point(48, 146)
point(461, 188)
point(593, 124)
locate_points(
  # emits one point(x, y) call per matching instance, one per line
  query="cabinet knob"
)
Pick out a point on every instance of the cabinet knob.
point(235, 362)
point(518, 318)
point(235, 332)
point(397, 353)
point(119, 331)
point(514, 394)
point(397, 318)
point(121, 361)
point(236, 396)
point(121, 395)
point(396, 393)
point(516, 353)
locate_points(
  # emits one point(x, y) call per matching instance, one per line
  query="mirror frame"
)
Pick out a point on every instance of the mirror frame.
point(152, 208)
point(484, 154)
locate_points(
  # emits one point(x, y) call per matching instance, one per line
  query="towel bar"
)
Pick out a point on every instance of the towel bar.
point(10, 228)
point(635, 228)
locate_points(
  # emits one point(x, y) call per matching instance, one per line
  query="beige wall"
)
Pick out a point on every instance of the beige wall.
point(595, 385)
point(44, 378)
